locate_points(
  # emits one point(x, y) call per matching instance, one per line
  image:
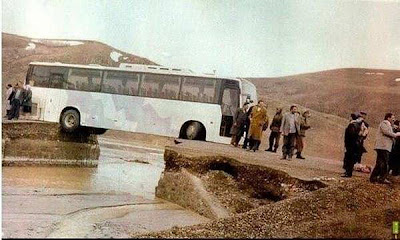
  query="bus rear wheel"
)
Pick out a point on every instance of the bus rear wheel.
point(70, 120)
point(194, 131)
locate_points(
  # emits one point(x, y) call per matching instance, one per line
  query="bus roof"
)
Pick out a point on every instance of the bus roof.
point(136, 68)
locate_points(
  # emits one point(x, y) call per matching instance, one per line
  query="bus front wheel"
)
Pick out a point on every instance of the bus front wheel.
point(194, 131)
point(70, 120)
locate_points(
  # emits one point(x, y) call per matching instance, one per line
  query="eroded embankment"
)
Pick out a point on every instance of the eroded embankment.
point(251, 201)
point(32, 143)
point(218, 186)
point(352, 209)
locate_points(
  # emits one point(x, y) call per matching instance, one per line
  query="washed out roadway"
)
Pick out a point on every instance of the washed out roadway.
point(116, 199)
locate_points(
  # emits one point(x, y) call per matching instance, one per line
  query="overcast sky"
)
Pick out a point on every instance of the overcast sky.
point(248, 38)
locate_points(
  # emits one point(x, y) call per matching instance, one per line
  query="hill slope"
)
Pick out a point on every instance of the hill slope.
point(19, 51)
point(332, 95)
point(338, 92)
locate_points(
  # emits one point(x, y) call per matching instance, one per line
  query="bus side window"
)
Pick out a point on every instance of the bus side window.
point(57, 80)
point(123, 83)
point(160, 86)
point(58, 77)
point(84, 79)
point(199, 89)
point(41, 76)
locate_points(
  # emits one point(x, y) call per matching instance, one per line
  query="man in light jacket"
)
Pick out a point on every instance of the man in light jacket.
point(384, 143)
point(290, 128)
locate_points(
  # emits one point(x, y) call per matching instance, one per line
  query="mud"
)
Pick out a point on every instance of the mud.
point(114, 200)
point(41, 140)
point(265, 197)
point(218, 186)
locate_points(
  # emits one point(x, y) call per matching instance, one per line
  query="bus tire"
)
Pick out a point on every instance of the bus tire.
point(70, 120)
point(194, 131)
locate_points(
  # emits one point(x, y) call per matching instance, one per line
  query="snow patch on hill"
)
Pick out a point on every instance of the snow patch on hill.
point(374, 73)
point(115, 56)
point(30, 46)
point(58, 43)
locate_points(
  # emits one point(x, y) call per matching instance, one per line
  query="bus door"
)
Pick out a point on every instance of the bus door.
point(229, 106)
point(57, 82)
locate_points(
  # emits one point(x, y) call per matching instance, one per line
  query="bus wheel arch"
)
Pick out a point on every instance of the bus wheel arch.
point(193, 130)
point(70, 118)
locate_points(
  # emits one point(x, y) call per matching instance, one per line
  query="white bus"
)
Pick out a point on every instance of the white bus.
point(137, 98)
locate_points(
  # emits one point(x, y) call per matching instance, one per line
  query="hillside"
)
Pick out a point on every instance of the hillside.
point(338, 92)
point(332, 95)
point(19, 51)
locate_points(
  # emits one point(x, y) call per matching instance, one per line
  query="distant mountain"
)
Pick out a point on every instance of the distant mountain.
point(338, 92)
point(19, 51)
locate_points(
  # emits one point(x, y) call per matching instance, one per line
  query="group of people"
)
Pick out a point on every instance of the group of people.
point(252, 121)
point(387, 146)
point(17, 96)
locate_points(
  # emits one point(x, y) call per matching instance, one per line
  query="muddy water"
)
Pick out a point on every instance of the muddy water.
point(116, 199)
point(122, 168)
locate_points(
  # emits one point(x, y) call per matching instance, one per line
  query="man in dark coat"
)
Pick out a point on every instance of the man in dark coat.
point(304, 126)
point(394, 159)
point(16, 102)
point(352, 145)
point(239, 120)
point(27, 99)
point(275, 134)
point(246, 128)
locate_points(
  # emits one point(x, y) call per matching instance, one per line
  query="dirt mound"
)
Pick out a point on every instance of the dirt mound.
point(353, 209)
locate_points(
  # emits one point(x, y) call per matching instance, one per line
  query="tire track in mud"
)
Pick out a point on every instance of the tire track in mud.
point(81, 223)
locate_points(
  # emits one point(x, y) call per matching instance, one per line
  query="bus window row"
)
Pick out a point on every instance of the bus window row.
point(195, 89)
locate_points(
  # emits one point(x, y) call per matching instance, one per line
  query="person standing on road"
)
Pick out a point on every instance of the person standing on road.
point(290, 127)
point(351, 144)
point(304, 126)
point(27, 100)
point(363, 134)
point(383, 147)
point(275, 134)
point(258, 121)
point(16, 102)
point(394, 159)
point(239, 120)
point(8, 99)
point(246, 127)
